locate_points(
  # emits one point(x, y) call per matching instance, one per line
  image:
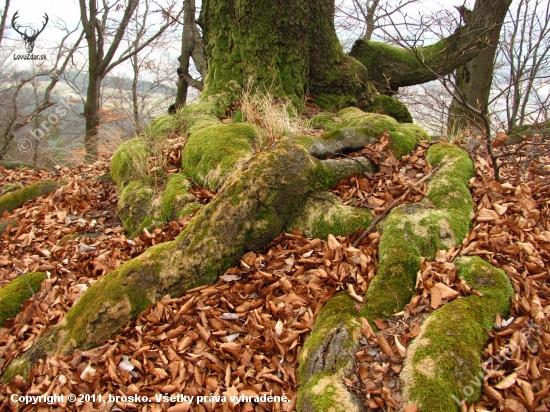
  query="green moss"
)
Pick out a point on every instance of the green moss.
point(322, 368)
point(16, 292)
point(129, 162)
point(329, 102)
point(134, 205)
point(20, 366)
point(175, 197)
point(390, 106)
point(404, 136)
point(214, 152)
point(415, 230)
point(122, 294)
point(324, 214)
point(17, 198)
point(324, 120)
point(165, 125)
point(444, 361)
point(189, 209)
point(378, 57)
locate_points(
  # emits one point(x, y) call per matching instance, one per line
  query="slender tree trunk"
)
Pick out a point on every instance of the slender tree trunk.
point(4, 17)
point(135, 104)
point(187, 46)
point(474, 79)
point(91, 114)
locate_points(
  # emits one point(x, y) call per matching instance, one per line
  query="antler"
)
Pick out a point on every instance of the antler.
point(44, 26)
point(35, 32)
point(13, 24)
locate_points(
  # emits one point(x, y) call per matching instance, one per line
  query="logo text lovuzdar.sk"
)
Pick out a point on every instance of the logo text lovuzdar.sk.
point(29, 39)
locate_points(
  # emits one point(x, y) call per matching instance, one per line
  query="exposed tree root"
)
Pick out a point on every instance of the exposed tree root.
point(443, 364)
point(13, 200)
point(440, 221)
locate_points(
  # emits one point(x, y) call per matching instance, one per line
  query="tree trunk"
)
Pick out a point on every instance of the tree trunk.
point(91, 114)
point(392, 67)
point(474, 79)
point(187, 46)
point(290, 46)
point(4, 17)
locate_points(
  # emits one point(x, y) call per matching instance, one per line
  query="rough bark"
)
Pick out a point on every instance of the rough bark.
point(288, 45)
point(392, 67)
point(474, 79)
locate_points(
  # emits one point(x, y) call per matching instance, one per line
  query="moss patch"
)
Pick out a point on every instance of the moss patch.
point(328, 356)
point(390, 106)
point(214, 152)
point(16, 292)
point(134, 205)
point(443, 364)
point(17, 198)
point(129, 161)
point(404, 136)
point(324, 214)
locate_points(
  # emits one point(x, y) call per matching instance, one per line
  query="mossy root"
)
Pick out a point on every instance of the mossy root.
point(16, 292)
point(17, 198)
point(410, 231)
point(443, 364)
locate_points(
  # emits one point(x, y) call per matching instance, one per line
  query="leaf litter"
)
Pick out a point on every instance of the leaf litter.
point(243, 335)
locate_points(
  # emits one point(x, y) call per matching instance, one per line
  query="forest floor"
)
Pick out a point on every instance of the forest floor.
point(243, 335)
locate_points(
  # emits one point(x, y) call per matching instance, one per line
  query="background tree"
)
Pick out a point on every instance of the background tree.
point(3, 20)
point(103, 41)
point(524, 61)
point(362, 18)
point(474, 78)
point(192, 47)
point(18, 114)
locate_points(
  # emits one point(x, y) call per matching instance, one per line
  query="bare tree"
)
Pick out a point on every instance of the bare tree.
point(361, 18)
point(474, 78)
point(4, 17)
point(192, 47)
point(524, 56)
point(18, 115)
point(104, 39)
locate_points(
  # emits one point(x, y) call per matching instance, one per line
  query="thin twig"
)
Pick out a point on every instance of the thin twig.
point(382, 215)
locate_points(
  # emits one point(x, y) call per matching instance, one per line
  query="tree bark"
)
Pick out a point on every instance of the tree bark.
point(4, 17)
point(474, 78)
point(392, 67)
point(290, 46)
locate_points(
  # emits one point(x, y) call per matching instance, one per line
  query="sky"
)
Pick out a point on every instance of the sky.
point(32, 13)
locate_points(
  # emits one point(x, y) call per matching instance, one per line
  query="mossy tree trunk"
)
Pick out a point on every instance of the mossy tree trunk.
point(392, 67)
point(288, 44)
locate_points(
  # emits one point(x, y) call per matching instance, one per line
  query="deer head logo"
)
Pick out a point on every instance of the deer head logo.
point(29, 40)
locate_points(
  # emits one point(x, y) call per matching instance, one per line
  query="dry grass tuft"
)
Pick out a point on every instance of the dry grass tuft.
point(276, 116)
